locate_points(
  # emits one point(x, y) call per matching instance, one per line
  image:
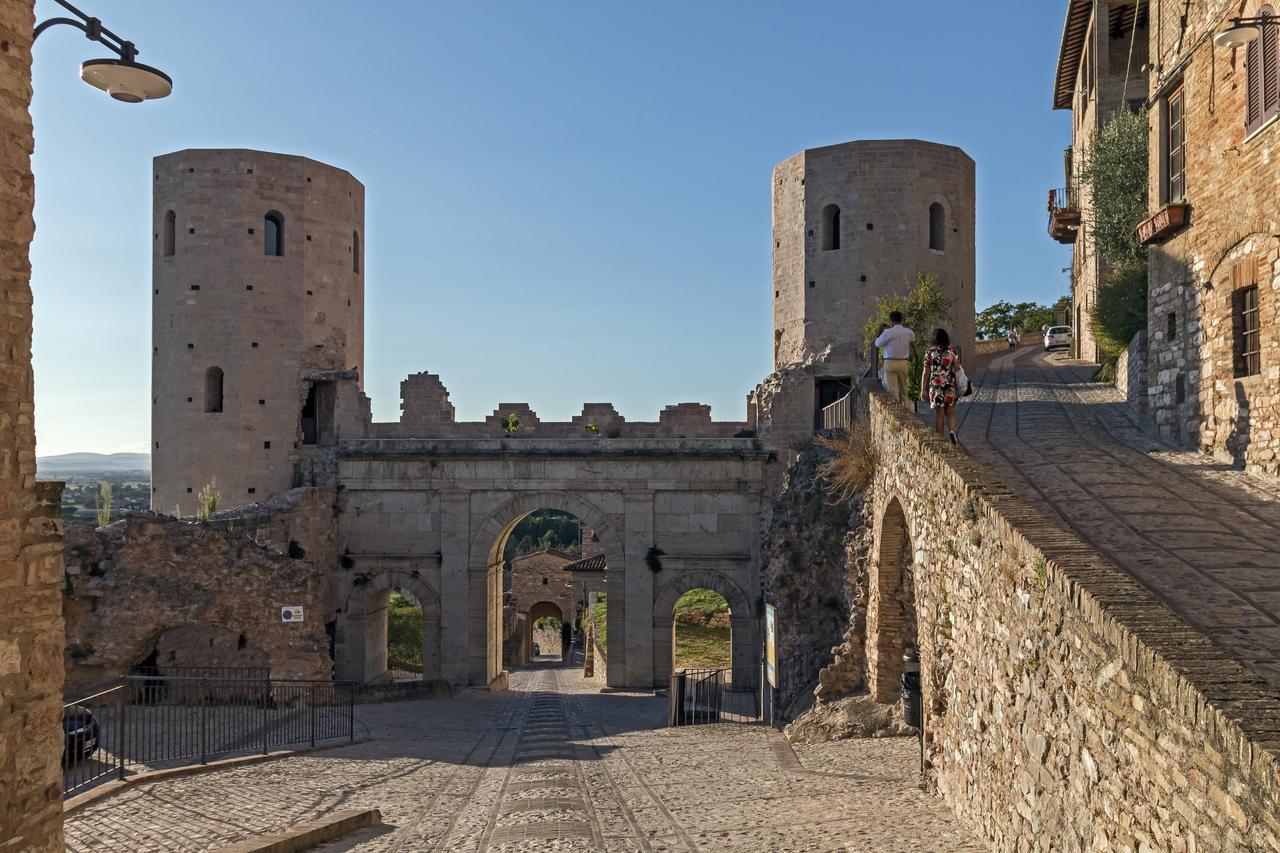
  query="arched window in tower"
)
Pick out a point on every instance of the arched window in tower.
point(937, 227)
point(170, 232)
point(213, 389)
point(273, 234)
point(831, 227)
point(355, 251)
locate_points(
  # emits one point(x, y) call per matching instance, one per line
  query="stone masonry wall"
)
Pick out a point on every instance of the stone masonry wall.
point(30, 579)
point(1066, 707)
point(203, 593)
point(1230, 243)
point(1131, 373)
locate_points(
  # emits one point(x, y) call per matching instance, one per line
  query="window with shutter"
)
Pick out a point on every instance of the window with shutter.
point(1175, 187)
point(1262, 92)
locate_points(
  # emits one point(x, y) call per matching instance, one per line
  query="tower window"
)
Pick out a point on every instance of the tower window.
point(273, 234)
point(937, 227)
point(831, 227)
point(170, 232)
point(1172, 330)
point(355, 252)
point(213, 389)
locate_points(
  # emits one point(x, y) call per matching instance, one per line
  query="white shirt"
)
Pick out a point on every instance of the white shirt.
point(896, 341)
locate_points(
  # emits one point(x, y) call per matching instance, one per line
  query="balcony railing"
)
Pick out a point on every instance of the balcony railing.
point(1064, 214)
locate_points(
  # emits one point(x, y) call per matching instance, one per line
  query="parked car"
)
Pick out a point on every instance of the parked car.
point(80, 729)
point(1057, 336)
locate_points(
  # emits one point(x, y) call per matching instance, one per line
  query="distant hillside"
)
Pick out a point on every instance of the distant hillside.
point(103, 463)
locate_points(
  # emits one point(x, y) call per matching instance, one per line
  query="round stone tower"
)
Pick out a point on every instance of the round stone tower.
point(860, 220)
point(258, 299)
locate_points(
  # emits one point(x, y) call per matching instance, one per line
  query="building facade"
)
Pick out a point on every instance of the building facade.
point(1102, 64)
point(258, 305)
point(1213, 236)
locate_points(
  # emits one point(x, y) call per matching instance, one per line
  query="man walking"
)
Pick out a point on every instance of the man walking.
point(894, 343)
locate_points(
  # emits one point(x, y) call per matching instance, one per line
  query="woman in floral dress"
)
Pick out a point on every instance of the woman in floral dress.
point(938, 386)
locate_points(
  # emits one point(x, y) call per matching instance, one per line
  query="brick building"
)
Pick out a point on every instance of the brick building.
point(1212, 234)
point(1101, 69)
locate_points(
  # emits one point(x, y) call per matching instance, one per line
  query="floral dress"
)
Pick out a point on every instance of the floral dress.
point(940, 367)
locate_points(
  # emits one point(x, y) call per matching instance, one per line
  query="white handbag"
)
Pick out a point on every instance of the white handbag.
point(963, 387)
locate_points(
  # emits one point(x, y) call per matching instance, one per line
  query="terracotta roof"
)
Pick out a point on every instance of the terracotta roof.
point(1072, 46)
point(594, 563)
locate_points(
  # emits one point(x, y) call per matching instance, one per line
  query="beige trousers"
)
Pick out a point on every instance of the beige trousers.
point(895, 378)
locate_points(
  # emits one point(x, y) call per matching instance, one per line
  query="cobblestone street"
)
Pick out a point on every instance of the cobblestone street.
point(1194, 531)
point(552, 765)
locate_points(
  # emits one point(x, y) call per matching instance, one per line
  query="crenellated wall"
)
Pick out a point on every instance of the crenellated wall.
point(1066, 707)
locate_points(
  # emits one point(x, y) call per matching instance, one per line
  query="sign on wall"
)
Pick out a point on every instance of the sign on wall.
point(771, 645)
point(291, 614)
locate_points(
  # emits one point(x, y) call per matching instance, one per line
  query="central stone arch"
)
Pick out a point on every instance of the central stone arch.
point(744, 651)
point(891, 621)
point(485, 561)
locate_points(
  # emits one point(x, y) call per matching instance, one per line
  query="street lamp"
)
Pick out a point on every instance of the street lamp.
point(123, 78)
point(1242, 31)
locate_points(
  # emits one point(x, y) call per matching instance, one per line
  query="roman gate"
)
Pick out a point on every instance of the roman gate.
point(425, 506)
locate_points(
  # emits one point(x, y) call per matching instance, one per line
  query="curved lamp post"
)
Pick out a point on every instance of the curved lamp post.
point(123, 78)
point(1241, 31)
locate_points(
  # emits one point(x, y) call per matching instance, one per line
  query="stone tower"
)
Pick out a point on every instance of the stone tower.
point(857, 221)
point(258, 311)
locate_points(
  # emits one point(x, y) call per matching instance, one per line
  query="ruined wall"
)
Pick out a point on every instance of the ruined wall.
point(805, 575)
point(203, 593)
point(1067, 708)
point(31, 615)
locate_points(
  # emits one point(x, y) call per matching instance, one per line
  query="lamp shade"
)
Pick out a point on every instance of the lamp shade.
point(1236, 35)
point(130, 82)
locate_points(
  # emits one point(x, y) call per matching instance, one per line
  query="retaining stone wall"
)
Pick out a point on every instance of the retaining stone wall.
point(1131, 373)
point(30, 576)
point(1067, 708)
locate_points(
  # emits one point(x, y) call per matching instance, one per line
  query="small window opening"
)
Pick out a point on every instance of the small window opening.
point(273, 234)
point(170, 232)
point(355, 252)
point(830, 227)
point(1172, 328)
point(1245, 326)
point(213, 389)
point(937, 227)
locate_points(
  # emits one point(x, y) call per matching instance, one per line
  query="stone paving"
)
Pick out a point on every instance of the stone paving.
point(1198, 533)
point(553, 765)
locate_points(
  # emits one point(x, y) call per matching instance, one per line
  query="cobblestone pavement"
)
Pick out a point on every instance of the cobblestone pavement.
point(1198, 533)
point(554, 765)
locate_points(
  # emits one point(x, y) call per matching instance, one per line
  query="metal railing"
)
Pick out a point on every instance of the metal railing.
point(838, 415)
point(699, 696)
point(149, 722)
point(1062, 198)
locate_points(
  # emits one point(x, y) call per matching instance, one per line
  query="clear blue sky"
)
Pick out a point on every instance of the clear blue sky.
point(566, 202)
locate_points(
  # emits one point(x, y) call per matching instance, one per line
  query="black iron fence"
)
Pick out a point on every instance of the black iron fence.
point(698, 696)
point(148, 722)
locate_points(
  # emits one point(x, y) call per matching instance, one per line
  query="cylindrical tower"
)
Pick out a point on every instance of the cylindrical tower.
point(257, 290)
point(860, 220)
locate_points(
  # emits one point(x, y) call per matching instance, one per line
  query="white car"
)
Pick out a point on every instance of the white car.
point(1057, 336)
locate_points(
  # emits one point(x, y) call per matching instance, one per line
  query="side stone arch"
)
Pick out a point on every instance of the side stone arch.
point(891, 617)
point(485, 564)
point(361, 639)
point(744, 647)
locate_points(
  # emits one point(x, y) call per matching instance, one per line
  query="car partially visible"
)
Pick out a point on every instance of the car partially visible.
point(80, 732)
point(1057, 336)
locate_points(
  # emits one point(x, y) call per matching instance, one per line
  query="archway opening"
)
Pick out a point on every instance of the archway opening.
point(891, 611)
point(702, 632)
point(540, 594)
point(406, 639)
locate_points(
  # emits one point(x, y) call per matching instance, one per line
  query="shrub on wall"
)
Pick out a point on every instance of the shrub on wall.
point(1121, 308)
point(1115, 173)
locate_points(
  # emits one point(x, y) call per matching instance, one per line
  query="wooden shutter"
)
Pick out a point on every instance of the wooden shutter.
point(1270, 67)
point(1253, 88)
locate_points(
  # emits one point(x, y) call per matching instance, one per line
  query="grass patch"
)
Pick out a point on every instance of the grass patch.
point(699, 647)
point(701, 601)
point(404, 629)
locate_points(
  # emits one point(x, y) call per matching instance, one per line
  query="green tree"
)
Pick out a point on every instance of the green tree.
point(924, 308)
point(1115, 173)
point(104, 504)
point(995, 320)
point(1120, 311)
